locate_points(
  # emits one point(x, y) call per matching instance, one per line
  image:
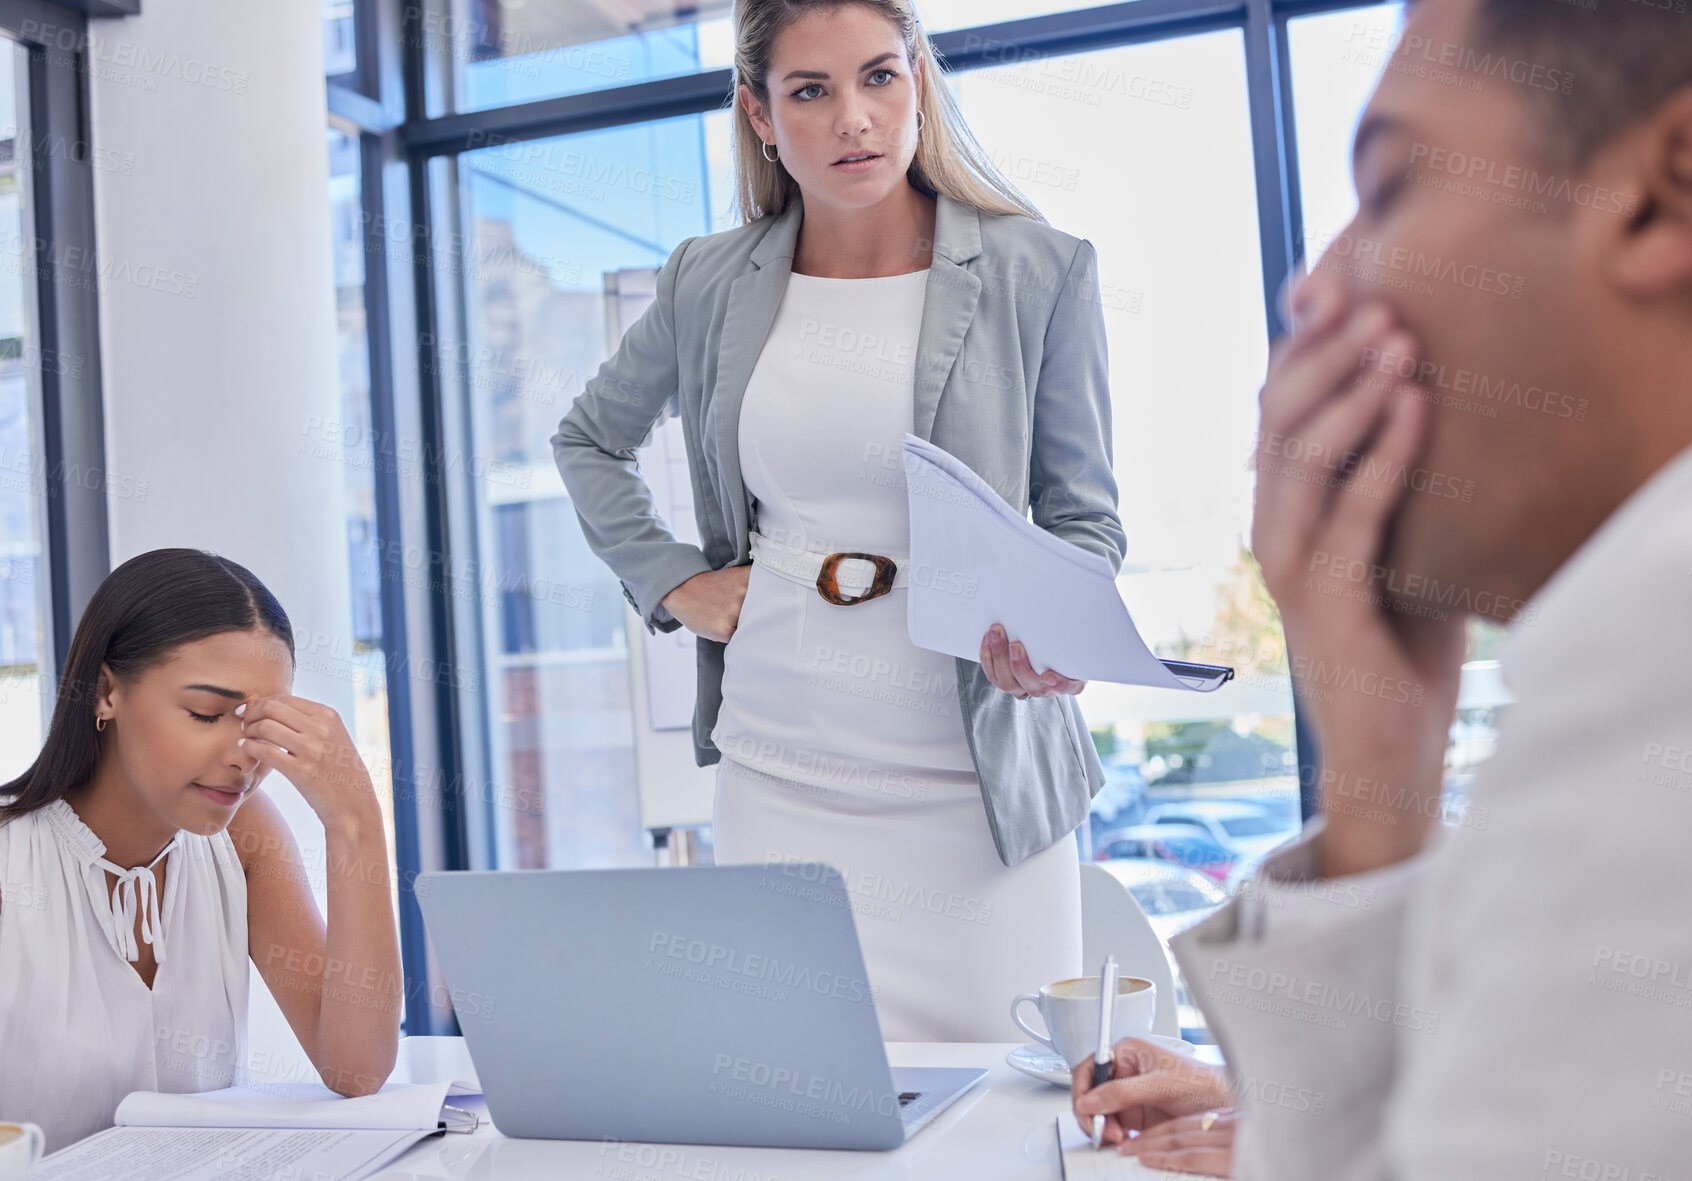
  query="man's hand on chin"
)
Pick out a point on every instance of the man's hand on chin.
point(1379, 687)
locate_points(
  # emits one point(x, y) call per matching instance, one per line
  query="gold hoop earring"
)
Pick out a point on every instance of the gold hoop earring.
point(100, 724)
point(765, 149)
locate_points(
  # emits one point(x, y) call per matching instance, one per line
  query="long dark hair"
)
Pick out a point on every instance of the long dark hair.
point(142, 612)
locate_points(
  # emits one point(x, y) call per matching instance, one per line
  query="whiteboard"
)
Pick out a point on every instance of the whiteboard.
point(673, 791)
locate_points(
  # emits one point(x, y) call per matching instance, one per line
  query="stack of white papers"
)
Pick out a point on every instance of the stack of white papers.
point(976, 561)
point(294, 1130)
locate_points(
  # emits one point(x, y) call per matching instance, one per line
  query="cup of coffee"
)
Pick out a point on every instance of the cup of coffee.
point(21, 1146)
point(1070, 1009)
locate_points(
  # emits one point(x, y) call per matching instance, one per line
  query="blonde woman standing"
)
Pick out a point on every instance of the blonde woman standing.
point(886, 280)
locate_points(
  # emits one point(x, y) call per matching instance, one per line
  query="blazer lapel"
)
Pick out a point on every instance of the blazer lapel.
point(948, 305)
point(752, 303)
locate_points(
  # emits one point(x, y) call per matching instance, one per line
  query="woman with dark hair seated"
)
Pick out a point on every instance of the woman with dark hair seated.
point(141, 867)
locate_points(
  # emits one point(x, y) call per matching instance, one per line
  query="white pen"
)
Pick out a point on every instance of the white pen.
point(1102, 1056)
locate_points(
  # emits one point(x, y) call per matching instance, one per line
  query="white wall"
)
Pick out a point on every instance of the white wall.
point(218, 325)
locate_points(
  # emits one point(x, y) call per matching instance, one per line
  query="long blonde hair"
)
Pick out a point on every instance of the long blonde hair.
point(948, 157)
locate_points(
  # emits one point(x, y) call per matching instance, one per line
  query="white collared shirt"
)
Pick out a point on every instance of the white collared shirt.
point(1516, 1001)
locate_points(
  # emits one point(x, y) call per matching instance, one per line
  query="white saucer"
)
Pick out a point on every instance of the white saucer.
point(1036, 1061)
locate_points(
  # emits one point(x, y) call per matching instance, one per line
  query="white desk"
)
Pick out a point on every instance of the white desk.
point(999, 1131)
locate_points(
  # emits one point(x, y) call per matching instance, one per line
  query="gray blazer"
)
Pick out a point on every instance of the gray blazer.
point(1011, 377)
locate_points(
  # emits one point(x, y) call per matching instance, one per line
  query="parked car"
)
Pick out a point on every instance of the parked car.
point(1174, 898)
point(1121, 798)
point(1188, 846)
point(1250, 831)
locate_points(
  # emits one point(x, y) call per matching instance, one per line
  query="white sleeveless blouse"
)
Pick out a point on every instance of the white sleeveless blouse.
point(79, 1029)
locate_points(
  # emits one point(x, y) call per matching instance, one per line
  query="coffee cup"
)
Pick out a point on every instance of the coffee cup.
point(21, 1146)
point(1070, 1009)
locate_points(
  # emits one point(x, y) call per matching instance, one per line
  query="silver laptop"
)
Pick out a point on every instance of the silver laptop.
point(723, 1005)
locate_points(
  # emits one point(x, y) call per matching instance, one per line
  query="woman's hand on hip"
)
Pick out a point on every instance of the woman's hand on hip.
point(708, 604)
point(1007, 666)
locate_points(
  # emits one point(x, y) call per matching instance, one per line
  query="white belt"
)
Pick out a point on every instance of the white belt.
point(853, 574)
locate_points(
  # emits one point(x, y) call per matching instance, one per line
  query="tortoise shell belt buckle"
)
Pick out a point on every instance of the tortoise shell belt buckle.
point(829, 589)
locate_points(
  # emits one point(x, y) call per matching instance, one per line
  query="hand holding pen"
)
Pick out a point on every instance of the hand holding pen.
point(1149, 1086)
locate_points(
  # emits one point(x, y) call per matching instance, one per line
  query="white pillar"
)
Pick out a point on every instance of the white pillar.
point(218, 327)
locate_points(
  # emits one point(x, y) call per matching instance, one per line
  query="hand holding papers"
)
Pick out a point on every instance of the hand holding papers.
point(976, 561)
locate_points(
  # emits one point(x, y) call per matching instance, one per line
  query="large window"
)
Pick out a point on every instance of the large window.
point(340, 38)
point(562, 151)
point(26, 661)
point(1147, 152)
point(548, 227)
point(364, 661)
point(493, 53)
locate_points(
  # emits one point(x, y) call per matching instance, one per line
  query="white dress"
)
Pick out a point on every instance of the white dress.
point(842, 741)
point(79, 1029)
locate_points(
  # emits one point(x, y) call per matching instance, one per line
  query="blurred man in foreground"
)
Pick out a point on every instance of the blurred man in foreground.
point(1484, 408)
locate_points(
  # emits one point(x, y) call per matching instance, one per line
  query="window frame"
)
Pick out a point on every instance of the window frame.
point(437, 723)
point(68, 405)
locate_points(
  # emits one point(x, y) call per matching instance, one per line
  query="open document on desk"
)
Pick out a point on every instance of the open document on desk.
point(976, 561)
point(285, 1131)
